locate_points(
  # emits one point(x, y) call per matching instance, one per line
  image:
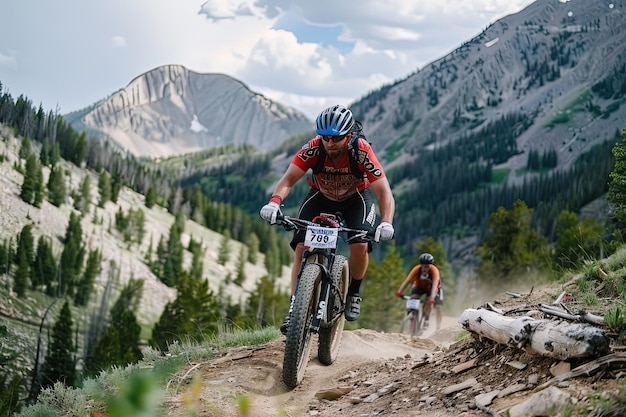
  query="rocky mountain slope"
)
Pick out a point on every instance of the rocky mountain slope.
point(560, 64)
point(171, 110)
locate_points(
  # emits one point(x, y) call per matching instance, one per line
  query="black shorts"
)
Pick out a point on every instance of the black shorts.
point(358, 211)
point(422, 291)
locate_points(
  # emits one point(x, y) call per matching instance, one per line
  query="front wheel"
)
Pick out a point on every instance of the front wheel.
point(406, 323)
point(298, 341)
point(329, 337)
point(415, 324)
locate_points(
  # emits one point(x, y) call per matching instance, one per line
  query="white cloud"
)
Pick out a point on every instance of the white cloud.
point(306, 54)
point(225, 9)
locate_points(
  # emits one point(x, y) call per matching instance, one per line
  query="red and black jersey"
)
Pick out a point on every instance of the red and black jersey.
point(336, 181)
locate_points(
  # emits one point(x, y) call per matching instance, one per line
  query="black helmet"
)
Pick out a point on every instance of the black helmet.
point(426, 258)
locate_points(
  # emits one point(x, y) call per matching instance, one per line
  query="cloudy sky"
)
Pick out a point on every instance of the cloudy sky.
point(67, 54)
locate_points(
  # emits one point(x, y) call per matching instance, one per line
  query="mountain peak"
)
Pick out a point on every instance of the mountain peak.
point(172, 110)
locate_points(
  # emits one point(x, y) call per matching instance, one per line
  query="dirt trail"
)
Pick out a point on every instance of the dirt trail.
point(255, 373)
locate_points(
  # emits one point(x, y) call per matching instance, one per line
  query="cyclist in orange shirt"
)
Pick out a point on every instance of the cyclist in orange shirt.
point(426, 280)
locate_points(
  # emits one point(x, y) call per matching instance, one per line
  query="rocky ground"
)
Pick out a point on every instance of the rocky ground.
point(449, 372)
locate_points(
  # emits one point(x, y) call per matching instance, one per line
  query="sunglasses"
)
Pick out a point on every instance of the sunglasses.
point(335, 139)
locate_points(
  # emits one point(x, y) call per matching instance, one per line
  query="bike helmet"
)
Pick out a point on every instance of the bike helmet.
point(426, 258)
point(335, 121)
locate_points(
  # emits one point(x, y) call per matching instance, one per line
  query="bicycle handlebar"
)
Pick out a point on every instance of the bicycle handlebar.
point(294, 223)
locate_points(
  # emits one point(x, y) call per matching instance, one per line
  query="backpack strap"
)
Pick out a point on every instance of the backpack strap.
point(353, 149)
point(320, 160)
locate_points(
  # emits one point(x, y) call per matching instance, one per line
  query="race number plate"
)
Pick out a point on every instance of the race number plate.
point(321, 237)
point(412, 304)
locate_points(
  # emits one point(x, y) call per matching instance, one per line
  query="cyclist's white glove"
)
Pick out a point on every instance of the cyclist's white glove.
point(270, 211)
point(384, 231)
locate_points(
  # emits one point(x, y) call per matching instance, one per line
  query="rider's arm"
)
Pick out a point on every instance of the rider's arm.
point(385, 199)
point(408, 279)
point(287, 181)
point(436, 281)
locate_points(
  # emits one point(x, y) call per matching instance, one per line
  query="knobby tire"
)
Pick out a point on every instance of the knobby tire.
point(415, 323)
point(405, 323)
point(329, 337)
point(298, 342)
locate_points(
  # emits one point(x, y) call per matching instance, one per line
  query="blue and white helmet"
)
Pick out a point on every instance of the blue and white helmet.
point(335, 121)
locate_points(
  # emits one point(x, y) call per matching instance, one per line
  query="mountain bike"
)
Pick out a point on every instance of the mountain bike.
point(414, 319)
point(321, 290)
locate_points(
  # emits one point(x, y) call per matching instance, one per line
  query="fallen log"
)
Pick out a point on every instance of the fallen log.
point(551, 338)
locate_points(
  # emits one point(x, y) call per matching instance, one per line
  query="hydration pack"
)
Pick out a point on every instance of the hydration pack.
point(353, 152)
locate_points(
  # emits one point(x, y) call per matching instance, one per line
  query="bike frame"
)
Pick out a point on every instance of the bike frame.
point(416, 313)
point(325, 259)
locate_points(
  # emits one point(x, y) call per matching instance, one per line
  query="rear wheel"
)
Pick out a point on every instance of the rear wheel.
point(330, 336)
point(298, 341)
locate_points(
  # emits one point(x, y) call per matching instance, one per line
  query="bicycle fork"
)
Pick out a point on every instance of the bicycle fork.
point(325, 289)
point(322, 305)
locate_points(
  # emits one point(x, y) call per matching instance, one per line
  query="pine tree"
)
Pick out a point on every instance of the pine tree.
point(26, 243)
point(576, 242)
point(59, 364)
point(82, 199)
point(116, 185)
point(72, 256)
point(57, 192)
point(93, 268)
point(512, 247)
point(253, 247)
point(266, 306)
point(44, 154)
point(6, 257)
point(29, 185)
point(192, 315)
point(55, 154)
point(39, 190)
point(173, 262)
point(197, 255)
point(379, 287)
point(158, 266)
point(151, 197)
point(104, 187)
point(241, 265)
point(617, 184)
point(119, 344)
point(223, 253)
point(25, 148)
point(44, 270)
point(20, 280)
point(272, 256)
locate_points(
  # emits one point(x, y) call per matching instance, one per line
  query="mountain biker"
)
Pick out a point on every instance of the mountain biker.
point(335, 189)
point(426, 280)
